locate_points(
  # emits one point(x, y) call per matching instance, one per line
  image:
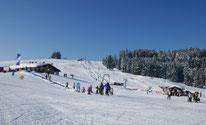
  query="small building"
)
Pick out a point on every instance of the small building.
point(40, 68)
point(47, 68)
point(176, 90)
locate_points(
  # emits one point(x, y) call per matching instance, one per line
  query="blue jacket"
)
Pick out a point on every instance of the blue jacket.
point(101, 87)
point(107, 86)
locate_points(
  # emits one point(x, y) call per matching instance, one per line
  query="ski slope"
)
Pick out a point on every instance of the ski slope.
point(37, 101)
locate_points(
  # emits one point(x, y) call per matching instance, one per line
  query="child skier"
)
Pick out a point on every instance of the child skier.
point(97, 90)
point(83, 90)
point(200, 94)
point(78, 87)
point(189, 97)
point(89, 89)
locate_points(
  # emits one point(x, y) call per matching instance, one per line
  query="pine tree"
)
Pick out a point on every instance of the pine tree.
point(56, 55)
point(184, 65)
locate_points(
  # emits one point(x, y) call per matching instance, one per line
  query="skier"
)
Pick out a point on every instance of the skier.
point(107, 87)
point(49, 78)
point(147, 91)
point(83, 90)
point(97, 90)
point(46, 76)
point(196, 98)
point(78, 87)
point(189, 97)
point(168, 95)
point(89, 90)
point(74, 85)
point(67, 84)
point(101, 89)
point(111, 91)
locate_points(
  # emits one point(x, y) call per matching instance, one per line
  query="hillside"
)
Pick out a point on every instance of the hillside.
point(34, 100)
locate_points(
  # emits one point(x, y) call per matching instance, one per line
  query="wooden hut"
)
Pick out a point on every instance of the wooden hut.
point(47, 68)
point(176, 90)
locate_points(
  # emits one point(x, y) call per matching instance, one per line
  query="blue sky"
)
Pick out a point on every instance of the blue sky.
point(93, 29)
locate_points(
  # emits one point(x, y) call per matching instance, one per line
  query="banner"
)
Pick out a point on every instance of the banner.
point(18, 59)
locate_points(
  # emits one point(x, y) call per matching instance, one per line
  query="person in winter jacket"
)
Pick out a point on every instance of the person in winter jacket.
point(89, 90)
point(83, 90)
point(49, 78)
point(107, 87)
point(168, 94)
point(78, 87)
point(97, 90)
point(67, 84)
point(74, 85)
point(111, 91)
point(200, 94)
point(196, 98)
point(101, 89)
point(189, 97)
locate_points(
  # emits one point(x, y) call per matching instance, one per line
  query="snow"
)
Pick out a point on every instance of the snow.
point(37, 101)
point(13, 67)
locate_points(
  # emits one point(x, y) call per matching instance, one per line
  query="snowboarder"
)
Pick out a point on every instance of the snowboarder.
point(107, 87)
point(83, 90)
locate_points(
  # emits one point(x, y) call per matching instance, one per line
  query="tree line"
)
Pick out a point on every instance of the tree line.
point(184, 65)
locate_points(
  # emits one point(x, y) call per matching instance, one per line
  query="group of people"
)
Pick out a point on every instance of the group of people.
point(194, 96)
point(99, 89)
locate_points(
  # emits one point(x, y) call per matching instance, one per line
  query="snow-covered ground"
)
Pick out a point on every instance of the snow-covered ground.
point(34, 100)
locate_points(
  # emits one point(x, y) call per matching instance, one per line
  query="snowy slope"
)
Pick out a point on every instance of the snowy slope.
point(34, 100)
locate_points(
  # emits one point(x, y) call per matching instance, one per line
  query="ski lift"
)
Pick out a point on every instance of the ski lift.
point(103, 79)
